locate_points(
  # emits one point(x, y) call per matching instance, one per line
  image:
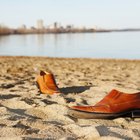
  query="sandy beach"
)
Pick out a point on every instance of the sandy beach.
point(26, 114)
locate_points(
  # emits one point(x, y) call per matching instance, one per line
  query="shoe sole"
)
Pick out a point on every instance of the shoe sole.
point(91, 115)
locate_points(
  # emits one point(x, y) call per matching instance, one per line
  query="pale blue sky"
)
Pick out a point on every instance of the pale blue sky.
point(100, 13)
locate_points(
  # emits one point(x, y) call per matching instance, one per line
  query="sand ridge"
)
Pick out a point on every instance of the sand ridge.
point(27, 114)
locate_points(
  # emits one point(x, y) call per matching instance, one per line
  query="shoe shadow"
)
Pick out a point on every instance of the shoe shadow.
point(74, 89)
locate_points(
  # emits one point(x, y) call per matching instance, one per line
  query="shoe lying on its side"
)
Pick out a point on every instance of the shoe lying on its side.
point(46, 83)
point(115, 104)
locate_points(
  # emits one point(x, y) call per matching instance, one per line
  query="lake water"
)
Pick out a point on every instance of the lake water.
point(125, 45)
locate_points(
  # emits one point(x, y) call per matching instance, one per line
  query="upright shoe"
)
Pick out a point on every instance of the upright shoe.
point(115, 104)
point(46, 83)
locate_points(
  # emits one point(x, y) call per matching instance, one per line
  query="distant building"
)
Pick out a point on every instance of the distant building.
point(23, 26)
point(68, 27)
point(55, 25)
point(40, 24)
point(33, 28)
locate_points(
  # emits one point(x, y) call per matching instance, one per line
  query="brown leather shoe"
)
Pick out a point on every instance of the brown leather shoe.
point(115, 104)
point(46, 83)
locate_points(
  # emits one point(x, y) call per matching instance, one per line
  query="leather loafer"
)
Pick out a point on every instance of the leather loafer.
point(113, 105)
point(46, 83)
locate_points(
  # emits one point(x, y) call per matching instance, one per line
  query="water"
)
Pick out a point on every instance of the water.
point(125, 45)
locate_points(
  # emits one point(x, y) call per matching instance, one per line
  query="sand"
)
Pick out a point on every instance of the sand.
point(25, 114)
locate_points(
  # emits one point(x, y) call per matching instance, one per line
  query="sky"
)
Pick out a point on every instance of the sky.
point(88, 13)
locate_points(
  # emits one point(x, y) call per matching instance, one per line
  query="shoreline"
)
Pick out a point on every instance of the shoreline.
point(21, 31)
point(68, 58)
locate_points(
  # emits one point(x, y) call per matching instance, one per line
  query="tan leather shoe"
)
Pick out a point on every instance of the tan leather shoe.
point(115, 104)
point(46, 83)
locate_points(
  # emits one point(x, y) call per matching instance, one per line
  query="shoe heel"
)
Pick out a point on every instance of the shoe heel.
point(136, 114)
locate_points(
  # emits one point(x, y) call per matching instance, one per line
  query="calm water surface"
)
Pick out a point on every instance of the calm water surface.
point(88, 45)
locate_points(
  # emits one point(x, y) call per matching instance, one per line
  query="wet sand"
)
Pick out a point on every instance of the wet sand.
point(25, 114)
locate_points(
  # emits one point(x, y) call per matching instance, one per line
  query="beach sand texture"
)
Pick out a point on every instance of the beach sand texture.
point(25, 114)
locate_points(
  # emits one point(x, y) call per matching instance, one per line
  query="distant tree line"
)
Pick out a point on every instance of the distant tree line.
point(5, 30)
